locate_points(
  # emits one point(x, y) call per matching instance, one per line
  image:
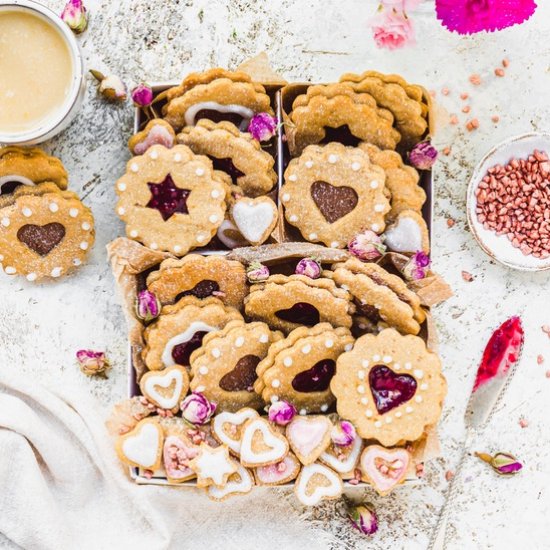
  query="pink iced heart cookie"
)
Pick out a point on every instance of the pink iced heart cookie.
point(176, 456)
point(384, 468)
point(142, 447)
point(315, 483)
point(308, 437)
point(282, 472)
point(228, 427)
point(261, 444)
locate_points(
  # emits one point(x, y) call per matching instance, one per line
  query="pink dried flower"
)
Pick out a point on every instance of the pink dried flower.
point(281, 412)
point(147, 306)
point(417, 267)
point(262, 126)
point(142, 95)
point(257, 272)
point(363, 518)
point(92, 363)
point(392, 29)
point(503, 464)
point(471, 16)
point(110, 86)
point(74, 14)
point(367, 246)
point(343, 434)
point(423, 155)
point(309, 267)
point(195, 408)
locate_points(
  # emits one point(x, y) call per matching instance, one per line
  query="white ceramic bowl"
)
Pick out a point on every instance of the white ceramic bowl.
point(60, 120)
point(499, 247)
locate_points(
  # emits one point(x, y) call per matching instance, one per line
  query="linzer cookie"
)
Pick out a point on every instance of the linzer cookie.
point(44, 232)
point(29, 166)
point(408, 233)
point(171, 199)
point(389, 386)
point(166, 388)
point(238, 483)
point(288, 302)
point(224, 368)
point(179, 330)
point(262, 444)
point(227, 428)
point(299, 368)
point(156, 132)
point(217, 95)
point(234, 152)
point(317, 482)
point(379, 295)
point(384, 468)
point(343, 458)
point(333, 192)
point(255, 219)
point(279, 473)
point(199, 276)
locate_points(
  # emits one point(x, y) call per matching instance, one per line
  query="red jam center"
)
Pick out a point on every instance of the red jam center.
point(167, 198)
point(218, 116)
point(182, 352)
point(226, 165)
point(501, 352)
point(317, 378)
point(9, 187)
point(301, 313)
point(342, 134)
point(243, 376)
point(201, 290)
point(389, 389)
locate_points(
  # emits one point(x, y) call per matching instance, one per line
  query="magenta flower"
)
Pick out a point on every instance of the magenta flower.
point(262, 126)
point(257, 272)
point(195, 408)
point(363, 518)
point(417, 267)
point(503, 464)
point(343, 434)
point(147, 306)
point(142, 95)
point(110, 86)
point(281, 412)
point(309, 267)
point(471, 16)
point(74, 14)
point(367, 246)
point(423, 155)
point(92, 363)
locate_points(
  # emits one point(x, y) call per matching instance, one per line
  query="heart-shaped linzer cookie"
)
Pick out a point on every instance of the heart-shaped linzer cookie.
point(309, 436)
point(142, 447)
point(317, 378)
point(255, 218)
point(243, 376)
point(343, 459)
point(384, 468)
point(42, 239)
point(227, 427)
point(201, 290)
point(261, 444)
point(165, 388)
point(301, 313)
point(333, 202)
point(390, 390)
point(316, 483)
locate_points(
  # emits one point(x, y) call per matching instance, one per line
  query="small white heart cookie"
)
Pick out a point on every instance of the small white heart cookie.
point(343, 459)
point(255, 218)
point(142, 447)
point(261, 444)
point(165, 388)
point(315, 483)
point(227, 427)
point(239, 483)
point(308, 437)
point(282, 472)
point(384, 468)
point(409, 233)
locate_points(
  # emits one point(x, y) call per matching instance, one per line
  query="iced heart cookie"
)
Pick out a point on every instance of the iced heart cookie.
point(384, 468)
point(179, 330)
point(343, 458)
point(335, 112)
point(199, 276)
point(408, 233)
point(42, 235)
point(227, 427)
point(213, 466)
point(165, 388)
point(379, 295)
point(389, 386)
point(288, 302)
point(254, 218)
point(171, 199)
point(299, 368)
point(156, 132)
point(224, 368)
point(333, 192)
point(261, 444)
point(315, 483)
point(402, 181)
point(308, 437)
point(234, 152)
point(177, 454)
point(279, 473)
point(238, 483)
point(142, 447)
point(29, 166)
point(217, 95)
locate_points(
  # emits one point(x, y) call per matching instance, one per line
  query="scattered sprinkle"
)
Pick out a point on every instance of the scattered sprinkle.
point(466, 109)
point(445, 91)
point(546, 329)
point(433, 93)
point(446, 151)
point(540, 359)
point(548, 374)
point(523, 422)
point(495, 118)
point(499, 72)
point(464, 95)
point(449, 474)
point(475, 79)
point(472, 124)
point(450, 222)
point(453, 119)
point(420, 470)
point(468, 277)
point(505, 62)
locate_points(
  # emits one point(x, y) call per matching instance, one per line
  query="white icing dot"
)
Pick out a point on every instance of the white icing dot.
point(133, 233)
point(76, 262)
point(418, 399)
point(378, 207)
point(364, 400)
point(324, 407)
point(408, 410)
point(56, 272)
point(348, 347)
point(329, 343)
point(292, 177)
point(373, 184)
point(377, 424)
point(303, 412)
point(293, 218)
point(313, 236)
point(201, 237)
point(333, 159)
point(121, 186)
point(355, 166)
point(424, 387)
point(239, 342)
point(203, 370)
point(134, 167)
point(285, 197)
point(10, 270)
point(408, 366)
point(1, 258)
point(31, 277)
point(361, 374)
point(84, 245)
point(200, 389)
point(153, 246)
point(396, 366)
point(365, 363)
point(216, 352)
point(387, 358)
point(199, 172)
point(398, 414)
point(274, 398)
point(306, 348)
point(309, 163)
point(276, 383)
point(376, 358)
point(264, 338)
point(334, 244)
point(388, 420)
point(213, 218)
point(154, 155)
point(27, 212)
point(375, 227)
point(287, 361)
point(73, 212)
point(177, 248)
point(5, 222)
point(86, 226)
point(215, 194)
point(368, 414)
point(418, 374)
point(121, 211)
point(361, 389)
point(54, 207)
point(177, 157)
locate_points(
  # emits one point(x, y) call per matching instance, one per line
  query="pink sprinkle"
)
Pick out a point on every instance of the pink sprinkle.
point(466, 109)
point(523, 422)
point(420, 469)
point(548, 374)
point(464, 95)
point(450, 222)
point(446, 151)
point(540, 359)
point(281, 467)
point(505, 62)
point(546, 329)
point(445, 91)
point(449, 474)
point(475, 79)
point(353, 481)
point(495, 118)
point(468, 277)
point(499, 72)
point(453, 120)
point(148, 474)
point(433, 93)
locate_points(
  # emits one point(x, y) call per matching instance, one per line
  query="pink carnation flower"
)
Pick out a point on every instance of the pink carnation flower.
point(392, 29)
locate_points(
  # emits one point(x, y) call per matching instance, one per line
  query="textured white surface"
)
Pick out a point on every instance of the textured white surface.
point(41, 327)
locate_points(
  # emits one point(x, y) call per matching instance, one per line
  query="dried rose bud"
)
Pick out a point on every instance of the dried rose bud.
point(423, 155)
point(281, 412)
point(110, 86)
point(309, 267)
point(503, 464)
point(147, 306)
point(262, 126)
point(363, 517)
point(74, 14)
point(417, 267)
point(195, 408)
point(343, 434)
point(92, 363)
point(142, 95)
point(257, 272)
point(367, 246)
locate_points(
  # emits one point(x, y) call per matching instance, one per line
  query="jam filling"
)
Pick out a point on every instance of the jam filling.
point(368, 311)
point(226, 165)
point(201, 290)
point(390, 390)
point(216, 116)
point(301, 313)
point(9, 187)
point(243, 376)
point(317, 378)
point(167, 198)
point(342, 134)
point(333, 202)
point(182, 352)
point(41, 238)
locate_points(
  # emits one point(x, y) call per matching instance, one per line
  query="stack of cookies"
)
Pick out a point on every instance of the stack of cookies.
point(45, 230)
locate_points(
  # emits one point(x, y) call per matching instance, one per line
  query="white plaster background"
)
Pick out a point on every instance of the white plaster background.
point(41, 326)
